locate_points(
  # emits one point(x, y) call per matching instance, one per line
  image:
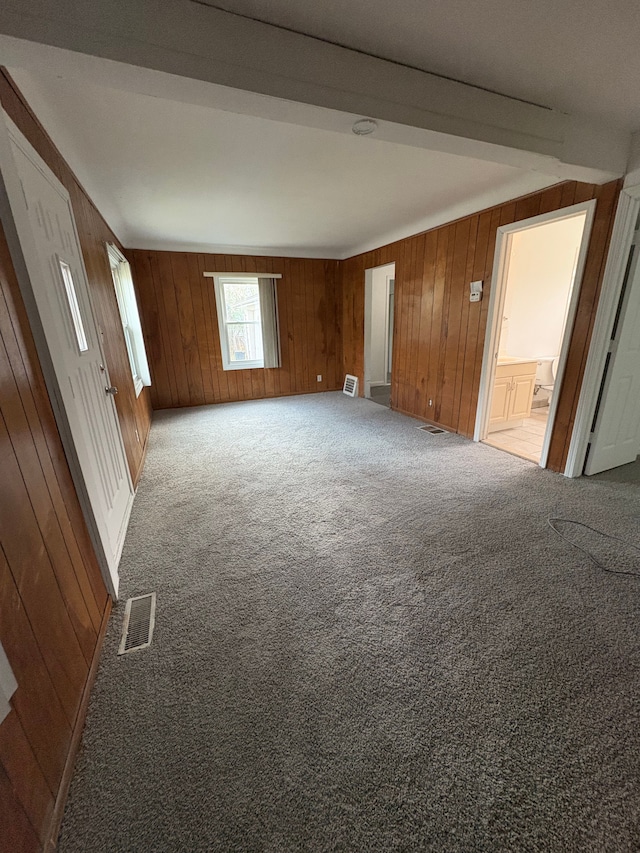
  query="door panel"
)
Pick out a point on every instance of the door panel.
point(62, 296)
point(616, 439)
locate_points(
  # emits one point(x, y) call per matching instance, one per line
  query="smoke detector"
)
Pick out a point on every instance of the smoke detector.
point(364, 127)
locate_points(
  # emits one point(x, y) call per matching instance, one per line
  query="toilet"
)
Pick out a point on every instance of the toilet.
point(546, 374)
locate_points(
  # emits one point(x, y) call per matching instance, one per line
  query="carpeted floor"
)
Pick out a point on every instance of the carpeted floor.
point(367, 639)
point(624, 474)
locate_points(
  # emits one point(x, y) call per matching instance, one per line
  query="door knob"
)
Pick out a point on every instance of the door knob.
point(112, 390)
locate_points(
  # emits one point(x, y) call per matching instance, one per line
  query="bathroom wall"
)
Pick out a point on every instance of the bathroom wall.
point(541, 269)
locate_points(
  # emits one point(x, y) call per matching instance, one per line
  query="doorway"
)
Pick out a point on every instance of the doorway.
point(379, 287)
point(70, 346)
point(537, 273)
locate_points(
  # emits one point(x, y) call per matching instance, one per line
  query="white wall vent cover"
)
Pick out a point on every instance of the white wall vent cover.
point(350, 386)
point(138, 624)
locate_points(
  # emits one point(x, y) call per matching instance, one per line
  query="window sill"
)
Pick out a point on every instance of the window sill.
point(245, 365)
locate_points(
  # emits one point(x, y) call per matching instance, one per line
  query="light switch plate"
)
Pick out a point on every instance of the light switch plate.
point(476, 291)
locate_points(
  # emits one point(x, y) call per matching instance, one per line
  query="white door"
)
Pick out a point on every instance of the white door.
point(616, 438)
point(62, 296)
point(392, 287)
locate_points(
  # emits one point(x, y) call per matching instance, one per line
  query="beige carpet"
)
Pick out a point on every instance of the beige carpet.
point(367, 639)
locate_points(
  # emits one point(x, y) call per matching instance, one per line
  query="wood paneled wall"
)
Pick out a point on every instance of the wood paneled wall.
point(439, 335)
point(181, 328)
point(134, 412)
point(53, 602)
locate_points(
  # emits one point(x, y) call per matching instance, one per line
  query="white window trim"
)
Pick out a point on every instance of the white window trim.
point(130, 318)
point(218, 279)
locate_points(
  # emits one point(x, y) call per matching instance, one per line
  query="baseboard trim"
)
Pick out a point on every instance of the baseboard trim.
point(143, 460)
point(67, 773)
point(251, 399)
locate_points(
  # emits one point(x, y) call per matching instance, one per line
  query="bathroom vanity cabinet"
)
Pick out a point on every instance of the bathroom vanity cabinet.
point(512, 393)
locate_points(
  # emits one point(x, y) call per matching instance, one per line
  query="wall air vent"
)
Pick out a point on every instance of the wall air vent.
point(350, 386)
point(139, 620)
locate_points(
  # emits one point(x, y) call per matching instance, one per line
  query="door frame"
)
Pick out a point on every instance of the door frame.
point(624, 228)
point(497, 297)
point(25, 257)
point(368, 294)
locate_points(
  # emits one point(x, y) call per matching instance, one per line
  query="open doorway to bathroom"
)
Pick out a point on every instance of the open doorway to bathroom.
point(379, 286)
point(534, 294)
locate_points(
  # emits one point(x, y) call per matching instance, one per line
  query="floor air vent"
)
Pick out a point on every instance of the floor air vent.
point(434, 430)
point(139, 619)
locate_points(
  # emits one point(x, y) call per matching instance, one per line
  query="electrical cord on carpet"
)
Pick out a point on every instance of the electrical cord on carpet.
point(553, 521)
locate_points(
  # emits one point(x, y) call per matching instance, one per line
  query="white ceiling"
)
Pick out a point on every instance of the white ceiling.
point(173, 175)
point(579, 56)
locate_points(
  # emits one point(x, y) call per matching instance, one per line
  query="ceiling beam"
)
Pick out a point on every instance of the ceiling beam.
point(187, 39)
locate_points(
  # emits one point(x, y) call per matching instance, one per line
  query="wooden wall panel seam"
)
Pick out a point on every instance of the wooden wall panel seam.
point(25, 775)
point(17, 828)
point(9, 334)
point(37, 704)
point(48, 533)
point(53, 829)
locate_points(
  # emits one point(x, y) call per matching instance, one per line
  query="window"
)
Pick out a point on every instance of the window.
point(130, 317)
point(247, 320)
point(74, 308)
point(238, 301)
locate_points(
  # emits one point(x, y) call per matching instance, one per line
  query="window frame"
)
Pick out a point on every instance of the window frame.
point(129, 317)
point(219, 281)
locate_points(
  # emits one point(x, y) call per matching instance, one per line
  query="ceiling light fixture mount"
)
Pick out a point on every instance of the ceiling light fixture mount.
point(364, 127)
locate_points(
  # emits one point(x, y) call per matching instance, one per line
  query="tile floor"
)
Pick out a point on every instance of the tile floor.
point(525, 441)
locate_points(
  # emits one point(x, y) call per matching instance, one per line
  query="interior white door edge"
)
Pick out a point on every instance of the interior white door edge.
point(492, 337)
point(615, 437)
point(568, 328)
point(622, 236)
